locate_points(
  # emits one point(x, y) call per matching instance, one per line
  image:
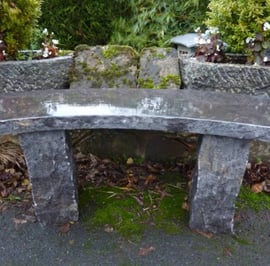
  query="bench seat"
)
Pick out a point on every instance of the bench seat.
point(226, 124)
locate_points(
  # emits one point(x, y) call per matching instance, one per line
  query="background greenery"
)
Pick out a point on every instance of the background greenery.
point(139, 23)
point(18, 19)
point(81, 22)
point(154, 23)
point(238, 19)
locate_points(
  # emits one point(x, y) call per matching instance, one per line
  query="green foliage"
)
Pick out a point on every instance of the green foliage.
point(154, 23)
point(81, 22)
point(18, 21)
point(238, 19)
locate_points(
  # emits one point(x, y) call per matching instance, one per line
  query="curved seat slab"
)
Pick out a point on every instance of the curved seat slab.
point(212, 113)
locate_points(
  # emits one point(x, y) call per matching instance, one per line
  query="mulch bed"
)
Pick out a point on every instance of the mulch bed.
point(15, 187)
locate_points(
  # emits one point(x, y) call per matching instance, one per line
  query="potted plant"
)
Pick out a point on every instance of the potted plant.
point(18, 25)
point(244, 26)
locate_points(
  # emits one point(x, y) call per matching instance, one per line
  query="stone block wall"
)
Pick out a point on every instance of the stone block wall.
point(35, 74)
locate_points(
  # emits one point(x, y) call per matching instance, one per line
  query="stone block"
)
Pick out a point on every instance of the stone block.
point(159, 69)
point(111, 66)
point(35, 74)
point(52, 175)
point(216, 183)
point(233, 78)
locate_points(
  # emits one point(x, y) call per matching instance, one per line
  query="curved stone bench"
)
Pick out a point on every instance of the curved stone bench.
point(226, 122)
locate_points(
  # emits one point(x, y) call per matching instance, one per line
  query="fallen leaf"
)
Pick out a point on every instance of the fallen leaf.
point(149, 180)
point(185, 206)
point(248, 166)
point(108, 228)
point(257, 187)
point(64, 228)
point(204, 234)
point(30, 218)
point(227, 252)
point(19, 221)
point(139, 201)
point(130, 161)
point(3, 207)
point(146, 251)
point(25, 182)
point(153, 169)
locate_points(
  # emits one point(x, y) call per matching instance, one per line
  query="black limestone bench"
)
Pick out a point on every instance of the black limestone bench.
point(226, 123)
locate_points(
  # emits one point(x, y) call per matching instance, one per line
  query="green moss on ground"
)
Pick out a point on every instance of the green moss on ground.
point(130, 213)
point(249, 199)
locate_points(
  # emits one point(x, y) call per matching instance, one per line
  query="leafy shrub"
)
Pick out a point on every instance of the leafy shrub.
point(18, 20)
point(154, 23)
point(238, 19)
point(81, 22)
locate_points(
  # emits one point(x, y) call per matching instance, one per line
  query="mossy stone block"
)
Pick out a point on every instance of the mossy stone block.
point(159, 69)
point(111, 66)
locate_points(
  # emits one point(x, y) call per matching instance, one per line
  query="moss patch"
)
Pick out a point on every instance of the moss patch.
point(111, 51)
point(166, 80)
point(249, 199)
point(131, 212)
point(147, 83)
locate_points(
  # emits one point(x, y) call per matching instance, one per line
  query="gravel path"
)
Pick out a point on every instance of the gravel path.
point(30, 244)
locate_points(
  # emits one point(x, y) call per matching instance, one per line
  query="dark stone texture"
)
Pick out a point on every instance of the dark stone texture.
point(234, 78)
point(35, 74)
point(52, 175)
point(216, 183)
point(212, 113)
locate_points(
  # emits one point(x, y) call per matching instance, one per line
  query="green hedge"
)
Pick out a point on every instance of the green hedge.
point(138, 23)
point(154, 23)
point(18, 19)
point(81, 22)
point(238, 20)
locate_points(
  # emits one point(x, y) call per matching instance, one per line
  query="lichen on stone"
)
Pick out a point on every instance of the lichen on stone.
point(105, 66)
point(146, 83)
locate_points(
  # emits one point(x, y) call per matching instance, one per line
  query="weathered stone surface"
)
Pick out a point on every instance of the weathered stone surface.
point(52, 175)
point(233, 78)
point(216, 183)
point(221, 160)
point(195, 111)
point(109, 66)
point(35, 74)
point(159, 69)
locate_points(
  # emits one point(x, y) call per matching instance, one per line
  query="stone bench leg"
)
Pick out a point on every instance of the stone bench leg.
point(52, 175)
point(216, 183)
